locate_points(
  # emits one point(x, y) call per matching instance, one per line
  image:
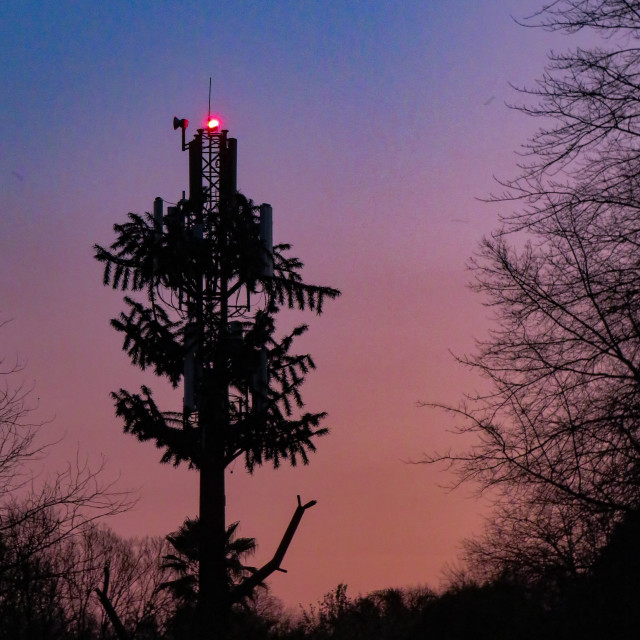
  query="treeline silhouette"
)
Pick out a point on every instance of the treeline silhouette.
point(598, 603)
point(50, 594)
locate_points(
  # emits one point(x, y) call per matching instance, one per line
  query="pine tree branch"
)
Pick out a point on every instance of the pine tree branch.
point(245, 588)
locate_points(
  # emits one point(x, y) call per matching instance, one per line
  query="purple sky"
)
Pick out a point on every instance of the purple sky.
point(371, 127)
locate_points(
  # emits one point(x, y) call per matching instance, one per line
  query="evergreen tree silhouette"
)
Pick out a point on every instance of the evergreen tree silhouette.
point(200, 303)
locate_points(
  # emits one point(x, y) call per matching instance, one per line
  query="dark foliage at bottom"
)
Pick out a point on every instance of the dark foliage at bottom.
point(49, 595)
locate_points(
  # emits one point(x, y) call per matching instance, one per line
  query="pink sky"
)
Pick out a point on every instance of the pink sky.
point(371, 131)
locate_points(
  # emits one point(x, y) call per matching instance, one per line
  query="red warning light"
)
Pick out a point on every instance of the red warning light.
point(213, 124)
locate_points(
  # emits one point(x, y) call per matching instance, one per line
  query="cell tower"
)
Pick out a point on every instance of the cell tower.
point(210, 397)
point(214, 285)
point(212, 188)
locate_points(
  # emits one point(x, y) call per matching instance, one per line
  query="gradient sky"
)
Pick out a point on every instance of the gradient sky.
point(371, 127)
